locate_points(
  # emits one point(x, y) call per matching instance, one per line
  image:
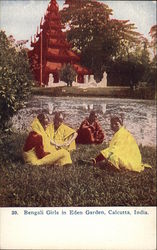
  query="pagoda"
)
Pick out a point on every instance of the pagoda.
point(51, 50)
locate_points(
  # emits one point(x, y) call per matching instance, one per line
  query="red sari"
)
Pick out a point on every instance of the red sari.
point(90, 133)
point(35, 141)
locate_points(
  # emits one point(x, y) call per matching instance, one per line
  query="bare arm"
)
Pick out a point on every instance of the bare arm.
point(57, 146)
point(71, 139)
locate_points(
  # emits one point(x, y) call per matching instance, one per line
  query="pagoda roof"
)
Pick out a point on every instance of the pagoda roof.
point(53, 41)
point(58, 43)
point(63, 54)
point(55, 25)
point(52, 67)
point(72, 54)
point(56, 49)
point(81, 70)
point(52, 16)
point(53, 51)
point(53, 6)
point(56, 34)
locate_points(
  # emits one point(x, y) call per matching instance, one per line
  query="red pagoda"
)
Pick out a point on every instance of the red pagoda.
point(51, 49)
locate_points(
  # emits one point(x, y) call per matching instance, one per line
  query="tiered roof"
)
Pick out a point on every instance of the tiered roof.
point(51, 49)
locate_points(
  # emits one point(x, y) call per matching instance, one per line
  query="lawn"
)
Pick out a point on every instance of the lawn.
point(77, 185)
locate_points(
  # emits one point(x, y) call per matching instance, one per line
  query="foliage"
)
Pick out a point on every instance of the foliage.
point(15, 80)
point(83, 18)
point(153, 34)
point(107, 44)
point(67, 74)
point(98, 38)
point(23, 185)
point(134, 67)
point(125, 72)
point(152, 73)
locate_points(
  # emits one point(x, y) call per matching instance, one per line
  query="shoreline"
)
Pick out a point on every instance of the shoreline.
point(108, 92)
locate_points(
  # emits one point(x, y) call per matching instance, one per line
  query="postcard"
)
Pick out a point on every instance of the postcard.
point(78, 124)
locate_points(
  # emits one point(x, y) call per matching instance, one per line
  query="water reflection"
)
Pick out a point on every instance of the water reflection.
point(139, 116)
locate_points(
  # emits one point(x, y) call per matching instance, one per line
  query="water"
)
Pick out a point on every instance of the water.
point(139, 115)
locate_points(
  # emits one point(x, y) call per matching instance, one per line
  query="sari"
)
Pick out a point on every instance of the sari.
point(61, 157)
point(90, 133)
point(61, 135)
point(123, 152)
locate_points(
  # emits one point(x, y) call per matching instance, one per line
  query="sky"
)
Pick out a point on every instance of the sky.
point(20, 18)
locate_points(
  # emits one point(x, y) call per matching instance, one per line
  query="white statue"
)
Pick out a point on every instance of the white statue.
point(91, 78)
point(51, 80)
point(103, 82)
point(92, 81)
point(86, 79)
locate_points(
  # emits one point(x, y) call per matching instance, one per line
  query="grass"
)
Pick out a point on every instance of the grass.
point(23, 185)
point(114, 92)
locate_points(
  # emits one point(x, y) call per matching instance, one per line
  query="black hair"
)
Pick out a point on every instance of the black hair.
point(115, 119)
point(41, 117)
point(58, 116)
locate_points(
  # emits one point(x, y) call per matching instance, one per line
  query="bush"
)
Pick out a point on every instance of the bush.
point(15, 80)
point(68, 74)
point(151, 75)
point(124, 72)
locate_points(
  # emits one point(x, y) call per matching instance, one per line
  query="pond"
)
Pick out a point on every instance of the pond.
point(139, 115)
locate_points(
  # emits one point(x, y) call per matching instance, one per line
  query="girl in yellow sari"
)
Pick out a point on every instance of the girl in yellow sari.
point(123, 151)
point(61, 135)
point(38, 150)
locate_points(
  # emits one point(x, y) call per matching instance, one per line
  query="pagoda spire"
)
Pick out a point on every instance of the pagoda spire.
point(52, 50)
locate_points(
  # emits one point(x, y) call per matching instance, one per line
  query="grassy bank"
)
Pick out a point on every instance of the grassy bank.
point(76, 185)
point(114, 92)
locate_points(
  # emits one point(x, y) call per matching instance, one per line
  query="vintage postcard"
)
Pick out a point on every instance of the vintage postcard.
point(78, 124)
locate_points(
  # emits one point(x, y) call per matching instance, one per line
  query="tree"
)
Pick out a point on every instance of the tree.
point(95, 36)
point(153, 34)
point(15, 79)
point(152, 77)
point(132, 67)
point(67, 74)
point(85, 19)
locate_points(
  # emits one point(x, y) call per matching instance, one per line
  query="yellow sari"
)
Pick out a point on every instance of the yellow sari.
point(123, 152)
point(61, 135)
point(61, 157)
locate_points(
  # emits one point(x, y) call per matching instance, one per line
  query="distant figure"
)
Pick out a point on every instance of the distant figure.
point(103, 82)
point(90, 131)
point(38, 150)
point(123, 151)
point(132, 85)
point(86, 79)
point(60, 134)
point(92, 80)
point(104, 79)
point(51, 80)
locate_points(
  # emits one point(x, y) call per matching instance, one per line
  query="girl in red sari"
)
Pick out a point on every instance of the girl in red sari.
point(90, 131)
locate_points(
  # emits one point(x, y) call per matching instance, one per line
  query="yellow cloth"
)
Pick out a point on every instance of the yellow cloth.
point(61, 157)
point(123, 151)
point(61, 135)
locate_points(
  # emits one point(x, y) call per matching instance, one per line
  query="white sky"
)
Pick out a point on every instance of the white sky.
point(20, 18)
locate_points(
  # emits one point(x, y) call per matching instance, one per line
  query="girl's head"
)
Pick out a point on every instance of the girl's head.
point(116, 123)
